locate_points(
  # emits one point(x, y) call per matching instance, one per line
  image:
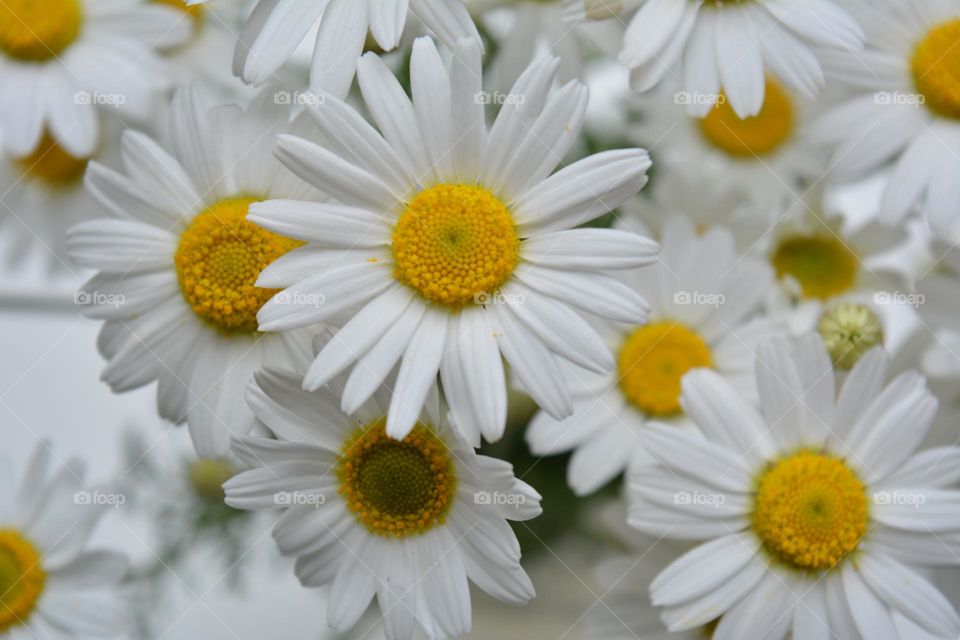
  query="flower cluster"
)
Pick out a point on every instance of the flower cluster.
point(345, 237)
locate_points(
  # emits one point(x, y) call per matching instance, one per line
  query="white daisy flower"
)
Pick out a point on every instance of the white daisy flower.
point(178, 260)
point(409, 521)
point(453, 242)
point(276, 27)
point(907, 112)
point(62, 59)
point(207, 54)
point(538, 26)
point(50, 585)
point(766, 156)
point(702, 298)
point(831, 279)
point(815, 512)
point(722, 46)
point(42, 195)
point(706, 198)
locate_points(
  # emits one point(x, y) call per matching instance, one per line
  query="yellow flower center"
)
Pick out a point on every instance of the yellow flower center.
point(849, 331)
point(219, 258)
point(823, 266)
point(207, 476)
point(38, 30)
point(455, 242)
point(653, 361)
point(936, 68)
point(396, 488)
point(759, 135)
point(195, 12)
point(810, 510)
point(21, 579)
point(51, 164)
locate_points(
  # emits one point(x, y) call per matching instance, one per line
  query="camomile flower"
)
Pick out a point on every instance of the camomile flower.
point(702, 298)
point(706, 198)
point(409, 521)
point(816, 516)
point(728, 46)
point(453, 242)
point(276, 27)
point(207, 54)
point(539, 26)
point(766, 156)
point(62, 59)
point(177, 263)
point(907, 111)
point(50, 585)
point(830, 278)
point(42, 195)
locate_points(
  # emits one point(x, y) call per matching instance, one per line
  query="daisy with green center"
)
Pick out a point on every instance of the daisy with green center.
point(50, 585)
point(702, 300)
point(276, 28)
point(61, 59)
point(450, 245)
point(823, 266)
point(178, 263)
point(729, 46)
point(766, 156)
point(408, 520)
point(906, 114)
point(816, 515)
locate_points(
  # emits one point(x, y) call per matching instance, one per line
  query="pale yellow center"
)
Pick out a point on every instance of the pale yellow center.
point(822, 265)
point(51, 164)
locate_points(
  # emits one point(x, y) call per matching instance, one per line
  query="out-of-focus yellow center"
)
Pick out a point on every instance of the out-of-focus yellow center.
point(759, 135)
point(454, 243)
point(822, 265)
point(38, 30)
point(936, 68)
point(195, 11)
point(219, 258)
point(653, 361)
point(810, 510)
point(51, 164)
point(396, 488)
point(21, 579)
